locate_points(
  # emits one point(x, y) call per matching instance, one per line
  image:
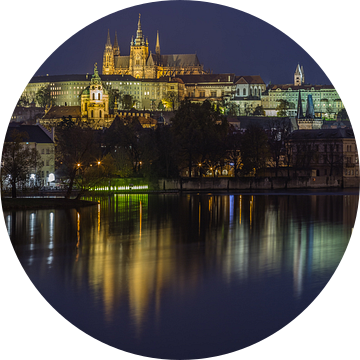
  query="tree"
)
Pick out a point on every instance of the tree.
point(283, 108)
point(115, 96)
point(199, 130)
point(343, 115)
point(254, 150)
point(259, 111)
point(233, 150)
point(171, 100)
point(127, 102)
point(43, 96)
point(76, 150)
point(19, 161)
point(278, 133)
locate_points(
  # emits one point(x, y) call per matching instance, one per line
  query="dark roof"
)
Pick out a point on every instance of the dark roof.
point(204, 78)
point(300, 87)
point(266, 122)
point(249, 79)
point(60, 78)
point(180, 60)
point(57, 112)
point(79, 77)
point(323, 134)
point(37, 133)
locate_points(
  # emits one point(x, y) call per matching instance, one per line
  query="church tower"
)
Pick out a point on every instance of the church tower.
point(299, 76)
point(95, 102)
point(108, 58)
point(139, 53)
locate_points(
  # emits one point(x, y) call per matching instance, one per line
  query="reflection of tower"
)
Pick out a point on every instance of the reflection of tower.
point(298, 268)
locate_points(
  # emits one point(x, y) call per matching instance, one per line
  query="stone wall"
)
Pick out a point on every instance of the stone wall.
point(204, 184)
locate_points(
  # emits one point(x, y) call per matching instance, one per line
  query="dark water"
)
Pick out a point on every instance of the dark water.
point(184, 276)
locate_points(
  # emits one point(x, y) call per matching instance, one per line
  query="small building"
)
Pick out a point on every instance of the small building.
point(325, 152)
point(43, 141)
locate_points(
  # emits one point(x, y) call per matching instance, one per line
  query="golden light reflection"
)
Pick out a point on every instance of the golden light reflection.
point(140, 206)
point(99, 219)
point(240, 208)
point(77, 235)
point(251, 210)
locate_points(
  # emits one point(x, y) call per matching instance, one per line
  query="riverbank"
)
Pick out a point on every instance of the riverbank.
point(43, 203)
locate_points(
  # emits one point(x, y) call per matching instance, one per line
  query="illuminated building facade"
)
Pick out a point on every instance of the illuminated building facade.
point(142, 64)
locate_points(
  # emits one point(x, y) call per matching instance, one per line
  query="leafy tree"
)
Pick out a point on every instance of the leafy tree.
point(114, 96)
point(127, 102)
point(19, 161)
point(233, 150)
point(171, 100)
point(165, 163)
point(343, 115)
point(254, 150)
point(259, 111)
point(278, 134)
point(43, 96)
point(283, 108)
point(24, 100)
point(199, 130)
point(76, 150)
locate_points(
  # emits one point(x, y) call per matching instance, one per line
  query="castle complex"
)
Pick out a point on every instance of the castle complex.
point(142, 64)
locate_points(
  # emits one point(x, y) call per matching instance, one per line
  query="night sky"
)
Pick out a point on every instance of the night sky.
point(226, 40)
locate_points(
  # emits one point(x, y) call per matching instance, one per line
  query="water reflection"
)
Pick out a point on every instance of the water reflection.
point(136, 256)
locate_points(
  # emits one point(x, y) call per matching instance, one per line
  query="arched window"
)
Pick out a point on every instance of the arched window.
point(93, 97)
point(238, 92)
point(244, 92)
point(99, 96)
point(255, 92)
point(92, 113)
point(100, 114)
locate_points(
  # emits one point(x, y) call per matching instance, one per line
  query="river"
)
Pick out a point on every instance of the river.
point(184, 275)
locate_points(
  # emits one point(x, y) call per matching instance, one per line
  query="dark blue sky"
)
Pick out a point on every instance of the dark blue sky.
point(225, 40)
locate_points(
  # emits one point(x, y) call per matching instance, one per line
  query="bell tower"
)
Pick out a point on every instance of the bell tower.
point(139, 53)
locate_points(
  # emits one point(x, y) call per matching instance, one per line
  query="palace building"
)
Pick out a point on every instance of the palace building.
point(143, 64)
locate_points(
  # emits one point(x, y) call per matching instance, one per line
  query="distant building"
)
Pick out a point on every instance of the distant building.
point(23, 114)
point(299, 76)
point(43, 141)
point(326, 152)
point(142, 64)
point(327, 102)
point(94, 110)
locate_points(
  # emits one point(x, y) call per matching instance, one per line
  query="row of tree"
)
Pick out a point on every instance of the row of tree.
point(198, 142)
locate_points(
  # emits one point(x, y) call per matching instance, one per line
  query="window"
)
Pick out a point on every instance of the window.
point(93, 97)
point(99, 96)
point(47, 162)
point(48, 151)
point(244, 92)
point(100, 114)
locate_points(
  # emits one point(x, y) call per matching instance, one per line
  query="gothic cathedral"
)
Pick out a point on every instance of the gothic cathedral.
point(143, 64)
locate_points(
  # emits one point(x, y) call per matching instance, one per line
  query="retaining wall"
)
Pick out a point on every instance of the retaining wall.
point(204, 184)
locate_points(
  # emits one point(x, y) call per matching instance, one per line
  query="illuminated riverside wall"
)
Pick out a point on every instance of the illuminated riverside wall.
point(258, 184)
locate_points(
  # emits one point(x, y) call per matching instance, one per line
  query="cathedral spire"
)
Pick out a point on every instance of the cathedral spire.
point(139, 40)
point(116, 46)
point(108, 42)
point(157, 47)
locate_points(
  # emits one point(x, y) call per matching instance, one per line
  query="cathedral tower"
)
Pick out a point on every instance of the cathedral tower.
point(108, 58)
point(139, 53)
